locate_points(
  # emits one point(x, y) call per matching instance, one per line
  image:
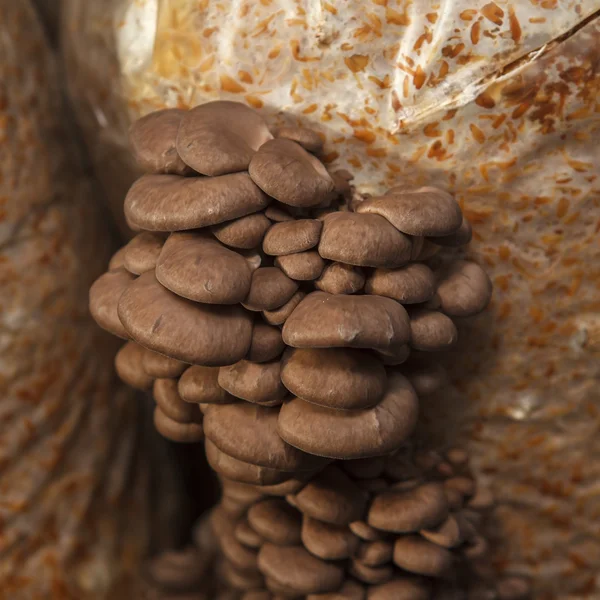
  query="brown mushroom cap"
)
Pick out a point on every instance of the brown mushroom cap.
point(152, 140)
point(296, 569)
point(129, 367)
point(141, 253)
point(242, 492)
point(428, 250)
point(287, 172)
point(461, 237)
point(365, 468)
point(303, 266)
point(464, 290)
point(267, 343)
point(447, 534)
point(375, 554)
point(425, 211)
point(160, 366)
point(105, 294)
point(338, 278)
point(177, 571)
point(245, 535)
point(366, 532)
point(351, 590)
point(308, 138)
point(259, 383)
point(335, 377)
point(291, 486)
point(291, 237)
point(270, 288)
point(431, 331)
point(352, 434)
point(370, 575)
point(170, 203)
point(278, 212)
point(240, 556)
point(422, 507)
point(395, 356)
point(328, 541)
point(200, 268)
point(248, 433)
point(279, 316)
point(221, 137)
point(363, 240)
point(425, 377)
point(239, 579)
point(401, 588)
point(410, 284)
point(177, 432)
point(194, 333)
point(325, 321)
point(170, 402)
point(200, 385)
point(276, 521)
point(244, 233)
point(417, 555)
point(117, 260)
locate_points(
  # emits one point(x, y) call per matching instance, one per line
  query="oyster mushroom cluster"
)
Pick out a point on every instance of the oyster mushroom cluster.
point(290, 322)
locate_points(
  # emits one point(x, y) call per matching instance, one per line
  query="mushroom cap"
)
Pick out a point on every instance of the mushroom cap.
point(141, 253)
point(170, 402)
point(338, 278)
point(278, 212)
point(401, 588)
point(160, 366)
point(303, 266)
point(177, 432)
point(411, 284)
point(178, 571)
point(200, 268)
point(424, 211)
point(417, 555)
point(323, 320)
point(482, 500)
point(221, 137)
point(259, 383)
point(351, 590)
point(375, 554)
point(335, 377)
point(105, 294)
point(365, 532)
point(270, 288)
point(395, 356)
point(447, 534)
point(370, 575)
point(242, 492)
point(332, 497)
point(276, 521)
point(464, 485)
point(287, 172)
point(428, 250)
point(308, 138)
point(328, 541)
point(363, 240)
point(279, 316)
point(152, 139)
point(296, 569)
point(290, 486)
point(117, 260)
point(422, 507)
point(193, 333)
point(239, 579)
point(461, 237)
point(200, 385)
point(129, 366)
point(352, 434)
point(248, 433)
point(237, 554)
point(365, 468)
point(267, 343)
point(170, 203)
point(245, 535)
point(431, 331)
point(464, 289)
point(245, 233)
point(291, 237)
point(425, 377)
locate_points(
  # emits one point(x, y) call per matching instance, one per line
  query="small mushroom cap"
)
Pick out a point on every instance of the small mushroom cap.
point(296, 569)
point(363, 240)
point(245, 535)
point(244, 233)
point(279, 316)
point(395, 356)
point(370, 575)
point(276, 521)
point(401, 588)
point(278, 212)
point(129, 366)
point(365, 468)
point(200, 268)
point(194, 333)
point(170, 402)
point(242, 492)
point(240, 579)
point(291, 486)
point(270, 288)
point(161, 366)
point(117, 260)
point(431, 331)
point(338, 278)
point(328, 541)
point(461, 237)
point(141, 253)
point(375, 554)
point(351, 590)
point(422, 507)
point(332, 497)
point(366, 532)
point(200, 385)
point(447, 534)
point(248, 433)
point(417, 555)
point(177, 432)
point(325, 321)
point(352, 434)
point(410, 284)
point(177, 571)
point(239, 556)
point(170, 203)
point(308, 138)
point(303, 266)
point(424, 211)
point(335, 377)
point(464, 485)
point(464, 290)
point(291, 237)
point(152, 140)
point(428, 250)
point(426, 377)
point(221, 137)
point(105, 294)
point(259, 383)
point(287, 172)
point(267, 343)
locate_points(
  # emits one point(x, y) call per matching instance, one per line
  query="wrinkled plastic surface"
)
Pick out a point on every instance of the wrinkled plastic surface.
point(496, 101)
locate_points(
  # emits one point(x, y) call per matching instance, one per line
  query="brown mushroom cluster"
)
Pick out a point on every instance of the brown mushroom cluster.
point(289, 321)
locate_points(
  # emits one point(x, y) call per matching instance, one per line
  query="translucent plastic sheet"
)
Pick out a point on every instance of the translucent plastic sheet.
point(497, 101)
